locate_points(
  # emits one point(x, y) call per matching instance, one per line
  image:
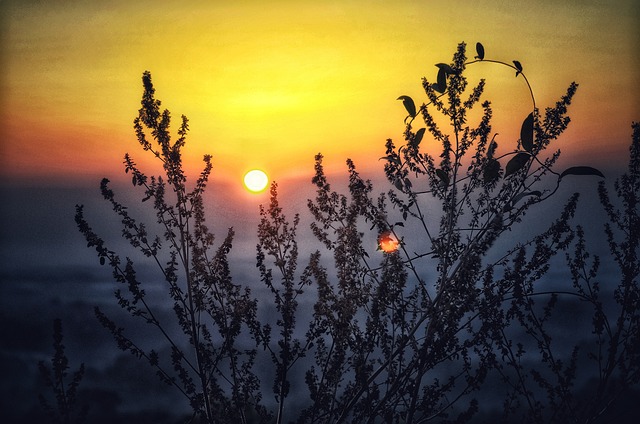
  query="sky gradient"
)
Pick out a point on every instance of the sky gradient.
point(268, 85)
point(265, 84)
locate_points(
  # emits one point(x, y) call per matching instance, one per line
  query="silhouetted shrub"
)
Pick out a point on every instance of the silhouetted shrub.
point(409, 335)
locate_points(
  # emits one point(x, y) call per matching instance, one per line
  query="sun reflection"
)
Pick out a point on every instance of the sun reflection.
point(388, 242)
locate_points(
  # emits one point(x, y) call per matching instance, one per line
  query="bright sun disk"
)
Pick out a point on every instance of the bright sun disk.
point(256, 180)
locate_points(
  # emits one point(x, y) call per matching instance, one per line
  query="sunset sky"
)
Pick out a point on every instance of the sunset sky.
point(265, 85)
point(270, 84)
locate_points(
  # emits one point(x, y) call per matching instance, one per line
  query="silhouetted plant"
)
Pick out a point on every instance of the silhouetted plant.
point(439, 337)
point(407, 336)
point(65, 392)
point(617, 348)
point(215, 372)
point(546, 391)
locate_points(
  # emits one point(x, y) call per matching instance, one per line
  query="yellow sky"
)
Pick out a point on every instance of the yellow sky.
point(269, 84)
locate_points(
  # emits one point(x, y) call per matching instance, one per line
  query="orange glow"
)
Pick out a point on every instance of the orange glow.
point(271, 87)
point(388, 242)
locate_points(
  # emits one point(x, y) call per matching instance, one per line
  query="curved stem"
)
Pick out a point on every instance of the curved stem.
point(499, 62)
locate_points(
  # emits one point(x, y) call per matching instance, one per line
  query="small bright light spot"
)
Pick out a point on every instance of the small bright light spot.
point(388, 242)
point(256, 180)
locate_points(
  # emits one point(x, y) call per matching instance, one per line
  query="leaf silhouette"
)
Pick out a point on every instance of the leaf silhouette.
point(518, 66)
point(581, 170)
point(391, 158)
point(492, 149)
point(526, 133)
point(441, 86)
point(516, 163)
point(418, 137)
point(480, 51)
point(443, 176)
point(447, 68)
point(409, 105)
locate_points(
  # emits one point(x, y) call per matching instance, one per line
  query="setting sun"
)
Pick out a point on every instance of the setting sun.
point(256, 180)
